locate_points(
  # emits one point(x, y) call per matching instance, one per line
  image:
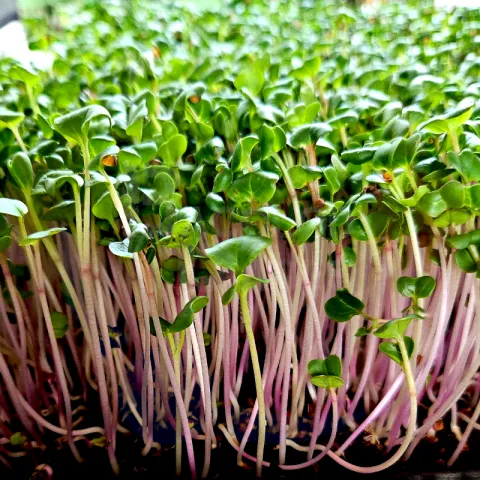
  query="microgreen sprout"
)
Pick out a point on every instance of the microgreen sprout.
point(241, 205)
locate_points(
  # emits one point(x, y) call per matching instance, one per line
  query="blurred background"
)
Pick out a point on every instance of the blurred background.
point(37, 4)
point(13, 40)
point(33, 4)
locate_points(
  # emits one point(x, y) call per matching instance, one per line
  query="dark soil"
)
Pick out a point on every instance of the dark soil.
point(428, 462)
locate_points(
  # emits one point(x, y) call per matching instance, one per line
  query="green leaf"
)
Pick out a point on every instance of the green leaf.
point(210, 152)
point(61, 211)
point(472, 196)
point(412, 201)
point(465, 261)
point(10, 119)
point(53, 180)
point(267, 138)
point(309, 69)
point(362, 332)
point(421, 287)
point(120, 249)
point(136, 116)
point(466, 163)
point(378, 223)
point(449, 121)
point(449, 196)
point(216, 203)
point(35, 237)
point(18, 439)
point(350, 256)
point(227, 297)
point(60, 324)
point(331, 365)
point(104, 208)
point(301, 175)
point(453, 194)
point(139, 238)
point(307, 135)
point(5, 227)
point(185, 318)
point(238, 253)
point(343, 306)
point(16, 208)
point(253, 188)
point(197, 176)
point(348, 117)
point(5, 242)
point(305, 231)
point(222, 180)
point(251, 77)
point(327, 381)
point(342, 217)
point(277, 218)
point(17, 72)
point(241, 158)
point(134, 157)
point(463, 240)
point(246, 282)
point(164, 185)
point(20, 167)
point(452, 217)
point(44, 126)
point(74, 126)
point(395, 328)
point(358, 156)
point(172, 150)
point(184, 233)
point(392, 350)
point(333, 182)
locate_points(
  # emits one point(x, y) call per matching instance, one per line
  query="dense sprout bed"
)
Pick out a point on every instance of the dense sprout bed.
point(255, 226)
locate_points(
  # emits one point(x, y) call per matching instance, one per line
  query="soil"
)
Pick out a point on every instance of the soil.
point(428, 462)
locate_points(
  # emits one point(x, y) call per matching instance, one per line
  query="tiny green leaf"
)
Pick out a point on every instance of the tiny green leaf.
point(185, 318)
point(74, 126)
point(254, 188)
point(327, 381)
point(20, 167)
point(238, 253)
point(392, 350)
point(246, 282)
point(120, 249)
point(395, 328)
point(251, 77)
point(358, 156)
point(172, 150)
point(421, 287)
point(307, 135)
point(466, 163)
point(216, 203)
point(139, 238)
point(277, 218)
point(60, 324)
point(9, 119)
point(16, 208)
point(305, 231)
point(184, 233)
point(35, 237)
point(331, 365)
point(343, 306)
point(227, 297)
point(465, 261)
point(18, 439)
